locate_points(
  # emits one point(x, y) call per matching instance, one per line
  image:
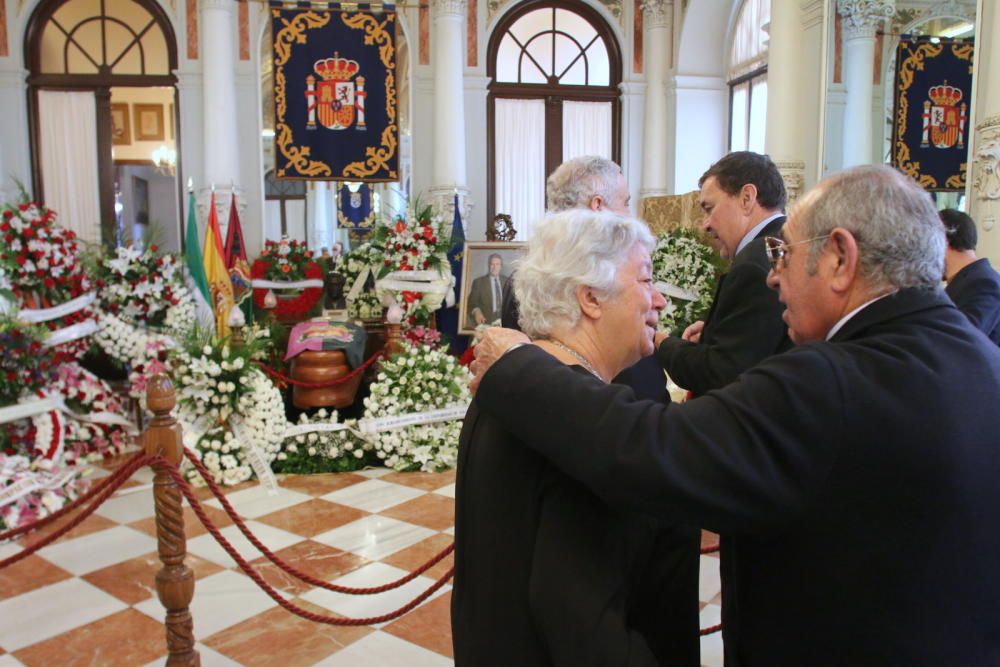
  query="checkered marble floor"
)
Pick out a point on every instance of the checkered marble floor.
point(89, 599)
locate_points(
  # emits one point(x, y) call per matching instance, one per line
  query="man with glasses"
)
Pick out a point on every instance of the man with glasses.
point(743, 197)
point(855, 473)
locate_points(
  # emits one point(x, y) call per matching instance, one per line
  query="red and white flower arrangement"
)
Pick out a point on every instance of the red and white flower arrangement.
point(42, 260)
point(287, 261)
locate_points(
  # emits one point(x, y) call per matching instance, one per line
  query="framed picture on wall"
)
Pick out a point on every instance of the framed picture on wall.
point(148, 122)
point(140, 199)
point(485, 269)
point(121, 134)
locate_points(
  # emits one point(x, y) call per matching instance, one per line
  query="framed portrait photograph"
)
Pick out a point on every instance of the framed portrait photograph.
point(148, 122)
point(121, 133)
point(486, 268)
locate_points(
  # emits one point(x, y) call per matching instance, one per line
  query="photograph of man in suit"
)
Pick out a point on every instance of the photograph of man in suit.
point(486, 294)
point(855, 473)
point(743, 196)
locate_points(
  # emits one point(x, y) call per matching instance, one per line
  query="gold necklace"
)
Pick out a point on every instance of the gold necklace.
point(579, 357)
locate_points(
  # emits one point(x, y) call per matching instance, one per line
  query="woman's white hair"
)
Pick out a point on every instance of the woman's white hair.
point(568, 249)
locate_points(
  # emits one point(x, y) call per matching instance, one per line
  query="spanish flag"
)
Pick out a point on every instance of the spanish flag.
point(219, 285)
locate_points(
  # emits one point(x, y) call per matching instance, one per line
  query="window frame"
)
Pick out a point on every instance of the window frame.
point(748, 78)
point(552, 93)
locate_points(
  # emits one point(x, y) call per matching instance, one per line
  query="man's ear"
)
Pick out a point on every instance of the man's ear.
point(748, 198)
point(590, 304)
point(842, 254)
point(597, 203)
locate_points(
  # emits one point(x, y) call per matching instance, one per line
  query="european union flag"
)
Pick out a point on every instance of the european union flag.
point(447, 318)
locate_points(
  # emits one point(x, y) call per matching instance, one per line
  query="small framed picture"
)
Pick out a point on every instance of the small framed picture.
point(486, 271)
point(121, 133)
point(148, 122)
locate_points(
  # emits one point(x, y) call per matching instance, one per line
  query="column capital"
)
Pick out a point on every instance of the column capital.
point(793, 173)
point(986, 161)
point(657, 13)
point(219, 5)
point(863, 17)
point(449, 7)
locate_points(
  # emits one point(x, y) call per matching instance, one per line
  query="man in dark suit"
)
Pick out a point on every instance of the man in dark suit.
point(486, 293)
point(856, 472)
point(743, 196)
point(598, 184)
point(973, 284)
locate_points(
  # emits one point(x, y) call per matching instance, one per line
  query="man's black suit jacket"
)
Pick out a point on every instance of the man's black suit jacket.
point(742, 327)
point(976, 291)
point(857, 478)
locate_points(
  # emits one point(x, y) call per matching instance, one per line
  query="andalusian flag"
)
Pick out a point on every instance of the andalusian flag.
point(196, 282)
point(219, 284)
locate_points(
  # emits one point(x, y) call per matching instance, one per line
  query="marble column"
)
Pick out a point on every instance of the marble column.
point(447, 58)
point(783, 136)
point(861, 20)
point(658, 31)
point(983, 202)
point(218, 57)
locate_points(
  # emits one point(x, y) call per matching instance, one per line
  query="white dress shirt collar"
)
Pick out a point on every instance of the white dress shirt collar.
point(844, 320)
point(752, 234)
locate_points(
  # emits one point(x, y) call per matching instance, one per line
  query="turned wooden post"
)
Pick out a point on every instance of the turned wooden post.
point(174, 581)
point(393, 338)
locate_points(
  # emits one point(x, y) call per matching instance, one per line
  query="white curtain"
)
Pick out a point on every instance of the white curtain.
point(68, 131)
point(520, 162)
point(586, 129)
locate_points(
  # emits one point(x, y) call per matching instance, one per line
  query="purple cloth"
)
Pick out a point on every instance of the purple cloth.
point(321, 334)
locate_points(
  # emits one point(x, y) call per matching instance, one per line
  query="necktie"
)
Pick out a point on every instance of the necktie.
point(496, 294)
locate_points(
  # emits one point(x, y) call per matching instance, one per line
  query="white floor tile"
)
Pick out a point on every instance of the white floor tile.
point(711, 645)
point(209, 658)
point(374, 537)
point(96, 550)
point(220, 600)
point(446, 490)
point(449, 531)
point(273, 538)
point(709, 583)
point(374, 473)
point(380, 649)
point(94, 472)
point(7, 660)
point(367, 606)
point(52, 610)
point(255, 502)
point(8, 549)
point(128, 507)
point(373, 495)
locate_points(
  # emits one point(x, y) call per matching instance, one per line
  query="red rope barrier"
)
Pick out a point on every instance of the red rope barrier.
point(710, 550)
point(319, 385)
point(710, 630)
point(133, 465)
point(186, 489)
point(70, 506)
point(285, 567)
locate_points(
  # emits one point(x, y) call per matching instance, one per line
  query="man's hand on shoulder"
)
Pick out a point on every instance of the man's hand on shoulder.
point(693, 333)
point(494, 343)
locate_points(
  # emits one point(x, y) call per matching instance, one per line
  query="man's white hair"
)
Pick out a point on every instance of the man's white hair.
point(576, 181)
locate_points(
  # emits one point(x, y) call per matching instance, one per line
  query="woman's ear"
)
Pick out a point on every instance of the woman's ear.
point(590, 304)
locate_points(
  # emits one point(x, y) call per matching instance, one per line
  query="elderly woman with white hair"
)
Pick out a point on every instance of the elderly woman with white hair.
point(545, 572)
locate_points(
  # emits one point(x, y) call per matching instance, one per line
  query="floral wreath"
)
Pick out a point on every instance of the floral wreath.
point(42, 262)
point(287, 261)
point(418, 379)
point(682, 259)
point(365, 305)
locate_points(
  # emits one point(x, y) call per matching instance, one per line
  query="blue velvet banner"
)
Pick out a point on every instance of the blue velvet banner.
point(931, 119)
point(335, 94)
point(354, 209)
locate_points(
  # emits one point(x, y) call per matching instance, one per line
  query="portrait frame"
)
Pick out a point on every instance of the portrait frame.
point(475, 264)
point(121, 132)
point(148, 122)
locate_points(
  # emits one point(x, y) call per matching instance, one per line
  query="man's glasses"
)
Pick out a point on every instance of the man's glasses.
point(776, 248)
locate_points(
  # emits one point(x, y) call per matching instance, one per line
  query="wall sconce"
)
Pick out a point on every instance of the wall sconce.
point(165, 159)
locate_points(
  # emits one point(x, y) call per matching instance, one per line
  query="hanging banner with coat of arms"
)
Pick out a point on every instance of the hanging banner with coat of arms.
point(930, 138)
point(354, 208)
point(335, 93)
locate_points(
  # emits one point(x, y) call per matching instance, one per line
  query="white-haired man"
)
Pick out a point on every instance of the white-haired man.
point(856, 473)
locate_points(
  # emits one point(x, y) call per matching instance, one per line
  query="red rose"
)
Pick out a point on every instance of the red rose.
point(8, 214)
point(50, 283)
point(400, 226)
point(5, 227)
point(20, 260)
point(428, 232)
point(410, 297)
point(153, 248)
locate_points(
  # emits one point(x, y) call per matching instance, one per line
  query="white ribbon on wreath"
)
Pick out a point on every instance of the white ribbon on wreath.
point(369, 426)
point(36, 315)
point(38, 481)
point(258, 283)
point(423, 282)
point(71, 333)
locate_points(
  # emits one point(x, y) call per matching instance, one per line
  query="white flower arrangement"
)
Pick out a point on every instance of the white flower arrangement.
point(682, 259)
point(323, 450)
point(419, 379)
point(227, 407)
point(52, 487)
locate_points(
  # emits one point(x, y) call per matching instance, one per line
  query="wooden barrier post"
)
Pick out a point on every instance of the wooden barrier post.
point(175, 580)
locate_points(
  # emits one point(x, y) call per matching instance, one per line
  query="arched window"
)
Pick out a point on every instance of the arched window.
point(555, 69)
point(748, 77)
point(105, 71)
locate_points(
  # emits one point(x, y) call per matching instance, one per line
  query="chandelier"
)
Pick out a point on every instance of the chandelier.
point(165, 159)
